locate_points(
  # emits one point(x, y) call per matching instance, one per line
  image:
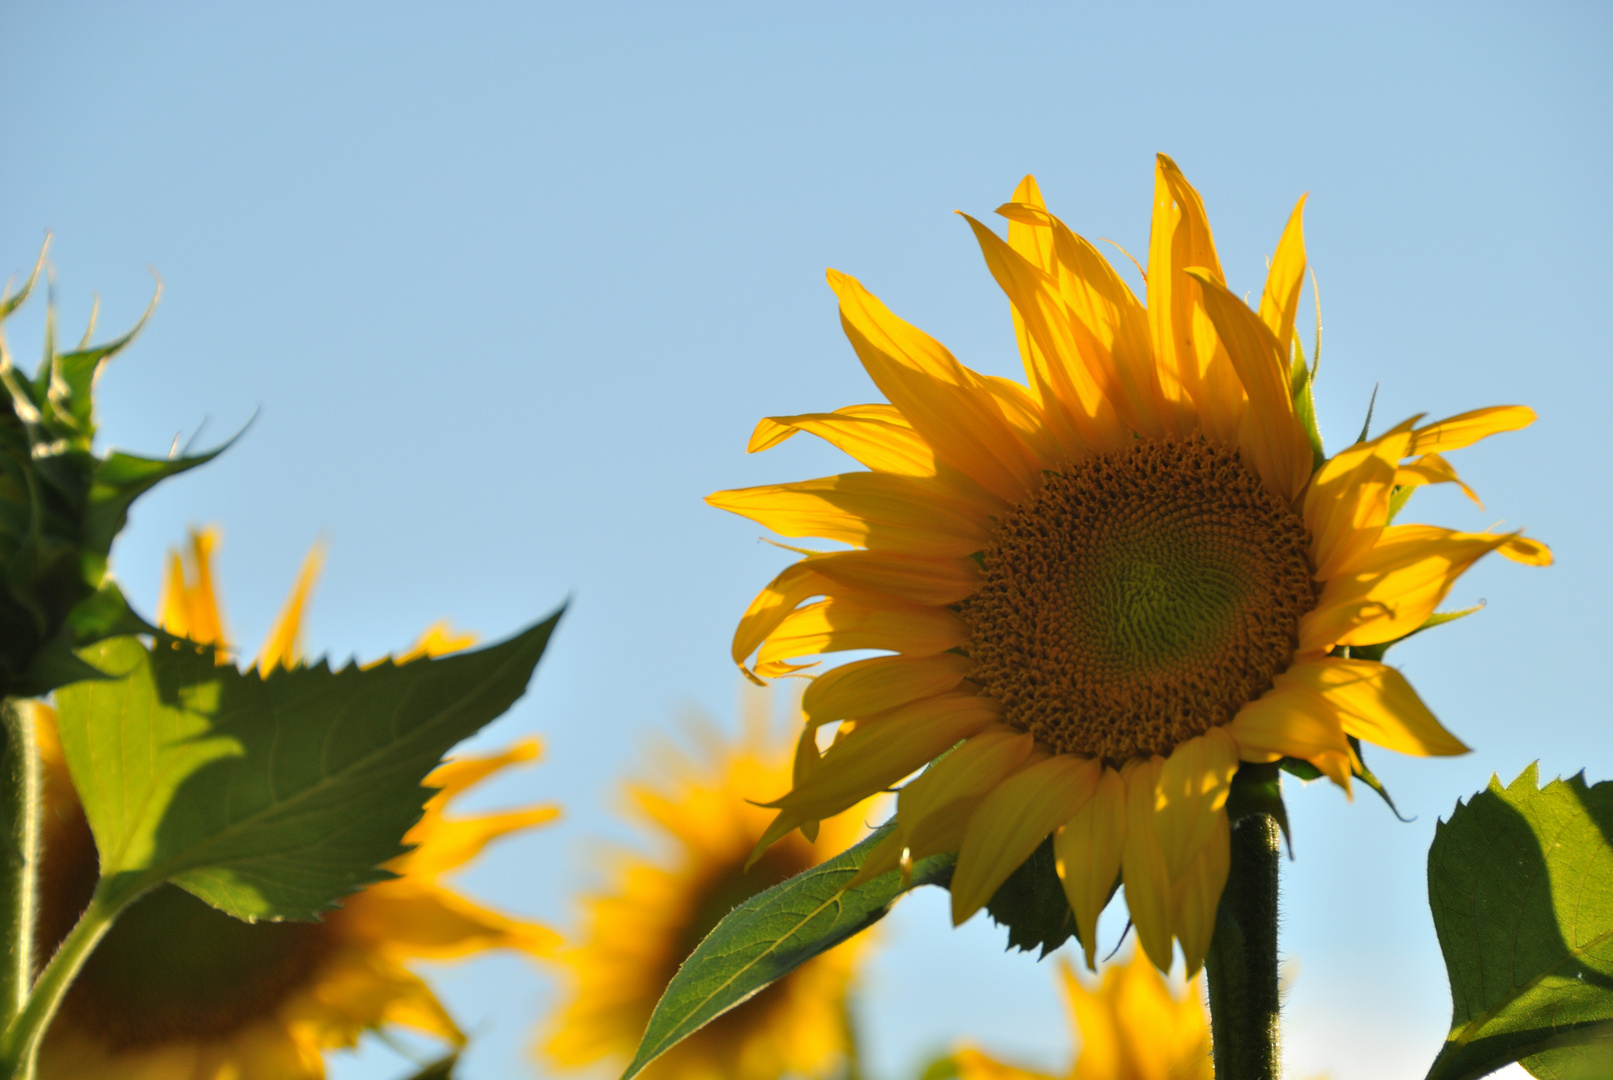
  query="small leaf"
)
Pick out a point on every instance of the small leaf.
point(269, 797)
point(1032, 904)
point(772, 934)
point(441, 1069)
point(1520, 881)
point(1358, 769)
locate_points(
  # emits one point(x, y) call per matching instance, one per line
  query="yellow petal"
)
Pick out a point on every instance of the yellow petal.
point(1347, 503)
point(879, 683)
point(1279, 303)
point(1521, 549)
point(1086, 851)
point(1179, 237)
point(1291, 721)
point(937, 805)
point(1270, 435)
point(192, 610)
point(878, 444)
point(1142, 864)
point(1012, 820)
point(875, 510)
point(1377, 704)
point(1433, 469)
point(1196, 894)
point(1467, 428)
point(1062, 346)
point(942, 399)
point(916, 580)
point(882, 750)
point(1192, 790)
point(838, 624)
point(283, 647)
point(1389, 590)
point(794, 585)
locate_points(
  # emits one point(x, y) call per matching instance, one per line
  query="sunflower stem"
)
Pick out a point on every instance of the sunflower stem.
point(1242, 964)
point(19, 853)
point(19, 1045)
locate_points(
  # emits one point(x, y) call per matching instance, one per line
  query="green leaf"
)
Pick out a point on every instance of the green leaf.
point(441, 1069)
point(1032, 904)
point(269, 797)
point(1521, 885)
point(772, 934)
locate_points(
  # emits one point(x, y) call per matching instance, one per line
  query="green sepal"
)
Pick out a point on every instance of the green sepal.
point(1258, 789)
point(441, 1069)
point(1520, 883)
point(941, 1067)
point(1359, 770)
point(269, 797)
point(772, 934)
point(1301, 380)
point(1032, 905)
point(1300, 768)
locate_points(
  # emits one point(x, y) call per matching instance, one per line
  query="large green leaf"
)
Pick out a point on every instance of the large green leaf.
point(269, 797)
point(772, 934)
point(1521, 885)
point(1031, 903)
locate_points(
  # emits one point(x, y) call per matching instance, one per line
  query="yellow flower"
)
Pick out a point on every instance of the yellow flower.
point(1132, 1028)
point(1111, 585)
point(656, 910)
point(180, 991)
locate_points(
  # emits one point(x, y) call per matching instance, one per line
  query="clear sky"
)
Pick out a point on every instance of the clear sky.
point(509, 285)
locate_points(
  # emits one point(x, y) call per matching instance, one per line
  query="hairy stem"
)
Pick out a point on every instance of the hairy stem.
point(19, 1045)
point(19, 854)
point(1242, 965)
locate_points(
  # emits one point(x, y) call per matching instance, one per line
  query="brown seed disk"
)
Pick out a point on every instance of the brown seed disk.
point(1138, 599)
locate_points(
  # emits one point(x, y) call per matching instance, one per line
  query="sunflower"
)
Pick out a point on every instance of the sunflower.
point(656, 910)
point(1131, 1027)
point(1105, 588)
point(180, 991)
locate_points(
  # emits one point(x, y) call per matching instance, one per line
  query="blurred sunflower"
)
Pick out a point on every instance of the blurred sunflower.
point(654, 911)
point(1111, 585)
point(180, 991)
point(1131, 1028)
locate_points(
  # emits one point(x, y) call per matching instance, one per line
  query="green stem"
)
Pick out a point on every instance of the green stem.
point(1242, 965)
point(19, 855)
point(19, 1046)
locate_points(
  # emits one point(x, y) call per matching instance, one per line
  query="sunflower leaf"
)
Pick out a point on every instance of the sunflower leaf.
point(1520, 880)
point(771, 934)
point(1032, 904)
point(269, 797)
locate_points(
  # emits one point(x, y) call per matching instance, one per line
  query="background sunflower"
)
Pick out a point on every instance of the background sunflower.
point(178, 990)
point(654, 910)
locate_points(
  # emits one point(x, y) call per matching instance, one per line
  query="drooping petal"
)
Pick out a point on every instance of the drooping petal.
point(880, 683)
point(874, 510)
point(1016, 816)
point(877, 443)
point(1193, 787)
point(1347, 503)
point(1086, 852)
point(1455, 432)
point(1291, 721)
point(907, 577)
point(1196, 893)
point(794, 585)
point(882, 750)
point(841, 623)
point(1142, 864)
point(1389, 590)
point(1376, 703)
point(941, 398)
point(1432, 469)
point(933, 811)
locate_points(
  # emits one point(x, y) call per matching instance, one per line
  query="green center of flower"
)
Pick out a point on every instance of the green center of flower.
point(1140, 598)
point(174, 968)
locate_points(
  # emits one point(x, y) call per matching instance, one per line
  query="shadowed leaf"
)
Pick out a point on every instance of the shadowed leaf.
point(269, 797)
point(1520, 881)
point(770, 935)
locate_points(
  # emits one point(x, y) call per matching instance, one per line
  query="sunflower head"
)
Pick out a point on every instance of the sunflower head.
point(178, 989)
point(654, 911)
point(1106, 587)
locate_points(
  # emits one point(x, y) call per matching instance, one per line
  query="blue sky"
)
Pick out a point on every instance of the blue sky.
point(508, 286)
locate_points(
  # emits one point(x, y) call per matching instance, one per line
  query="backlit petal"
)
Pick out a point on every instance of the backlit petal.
point(1087, 851)
point(1347, 503)
point(1377, 704)
point(838, 624)
point(1455, 432)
